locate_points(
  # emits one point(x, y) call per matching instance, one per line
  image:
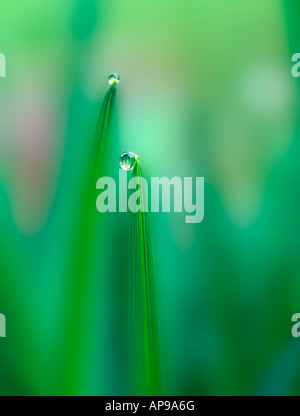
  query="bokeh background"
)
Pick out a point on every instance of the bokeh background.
point(206, 90)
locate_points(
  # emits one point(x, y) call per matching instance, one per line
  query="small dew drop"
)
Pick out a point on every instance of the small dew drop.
point(114, 78)
point(128, 160)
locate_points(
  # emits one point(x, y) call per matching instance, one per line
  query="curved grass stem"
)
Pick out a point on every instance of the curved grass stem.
point(78, 281)
point(143, 313)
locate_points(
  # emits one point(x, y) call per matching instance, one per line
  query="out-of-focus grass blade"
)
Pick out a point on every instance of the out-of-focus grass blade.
point(78, 276)
point(100, 139)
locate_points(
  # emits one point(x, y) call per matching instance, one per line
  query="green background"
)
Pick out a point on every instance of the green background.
point(206, 90)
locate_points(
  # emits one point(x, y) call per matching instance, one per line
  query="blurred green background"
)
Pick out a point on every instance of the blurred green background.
point(206, 90)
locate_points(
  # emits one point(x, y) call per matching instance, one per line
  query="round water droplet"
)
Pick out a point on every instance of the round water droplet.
point(114, 78)
point(128, 160)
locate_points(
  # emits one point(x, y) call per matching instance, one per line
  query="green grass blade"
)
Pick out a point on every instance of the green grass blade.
point(79, 282)
point(101, 135)
point(143, 315)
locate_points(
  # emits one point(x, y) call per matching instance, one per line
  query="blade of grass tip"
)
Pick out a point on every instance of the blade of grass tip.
point(79, 284)
point(143, 318)
point(101, 134)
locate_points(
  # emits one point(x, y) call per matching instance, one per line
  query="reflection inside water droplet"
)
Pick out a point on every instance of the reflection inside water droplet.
point(114, 78)
point(128, 160)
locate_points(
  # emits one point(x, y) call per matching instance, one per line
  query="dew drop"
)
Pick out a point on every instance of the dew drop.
point(128, 160)
point(114, 78)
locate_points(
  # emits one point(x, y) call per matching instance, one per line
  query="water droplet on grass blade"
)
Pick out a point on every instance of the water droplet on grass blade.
point(114, 78)
point(128, 160)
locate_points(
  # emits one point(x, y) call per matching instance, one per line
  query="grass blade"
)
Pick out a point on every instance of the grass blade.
point(143, 315)
point(79, 282)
